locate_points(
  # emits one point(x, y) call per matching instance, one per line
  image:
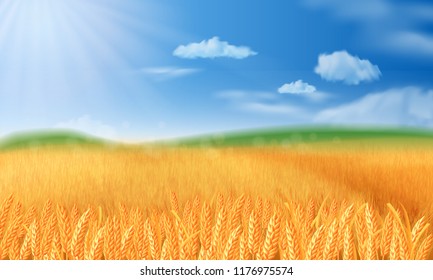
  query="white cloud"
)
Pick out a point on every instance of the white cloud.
point(281, 109)
point(341, 66)
point(417, 42)
point(212, 48)
point(164, 73)
point(298, 87)
point(232, 94)
point(303, 89)
point(399, 106)
point(261, 102)
point(391, 26)
point(317, 96)
point(90, 126)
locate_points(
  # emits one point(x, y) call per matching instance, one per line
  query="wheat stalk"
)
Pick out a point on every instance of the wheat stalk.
point(174, 202)
point(64, 228)
point(425, 248)
point(292, 251)
point(4, 213)
point(232, 245)
point(35, 240)
point(345, 221)
point(172, 239)
point(153, 245)
point(206, 227)
point(243, 246)
point(312, 250)
point(254, 237)
point(348, 245)
point(331, 241)
point(77, 241)
point(270, 245)
point(12, 233)
point(126, 242)
point(370, 227)
point(25, 250)
point(387, 231)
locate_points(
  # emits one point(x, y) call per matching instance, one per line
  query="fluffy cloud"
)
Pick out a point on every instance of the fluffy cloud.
point(341, 66)
point(303, 89)
point(212, 48)
point(88, 125)
point(164, 73)
point(298, 87)
point(399, 106)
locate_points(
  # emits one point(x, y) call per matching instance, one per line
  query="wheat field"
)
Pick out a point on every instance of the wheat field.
point(227, 203)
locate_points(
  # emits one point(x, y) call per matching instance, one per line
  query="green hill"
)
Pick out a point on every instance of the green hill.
point(48, 138)
point(258, 137)
point(297, 135)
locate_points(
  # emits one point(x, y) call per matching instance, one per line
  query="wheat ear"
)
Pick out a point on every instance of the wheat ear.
point(77, 242)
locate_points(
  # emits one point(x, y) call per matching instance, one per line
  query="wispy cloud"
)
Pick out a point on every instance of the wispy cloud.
point(278, 108)
point(242, 95)
point(89, 125)
point(317, 96)
point(342, 66)
point(394, 26)
point(267, 103)
point(169, 72)
point(353, 9)
point(398, 106)
point(212, 48)
point(408, 106)
point(417, 42)
point(231, 95)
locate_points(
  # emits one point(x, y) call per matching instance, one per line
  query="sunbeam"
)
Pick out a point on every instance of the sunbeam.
point(58, 55)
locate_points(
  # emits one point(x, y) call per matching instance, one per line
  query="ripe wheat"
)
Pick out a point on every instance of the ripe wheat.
point(238, 231)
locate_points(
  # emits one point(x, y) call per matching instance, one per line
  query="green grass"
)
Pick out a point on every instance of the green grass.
point(343, 136)
point(303, 135)
point(49, 138)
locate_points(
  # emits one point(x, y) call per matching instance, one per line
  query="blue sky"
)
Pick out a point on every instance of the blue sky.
point(134, 70)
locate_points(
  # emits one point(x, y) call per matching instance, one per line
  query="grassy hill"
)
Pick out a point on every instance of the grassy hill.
point(297, 135)
point(258, 137)
point(48, 138)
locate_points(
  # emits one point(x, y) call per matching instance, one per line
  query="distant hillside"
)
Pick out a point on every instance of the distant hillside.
point(48, 138)
point(259, 137)
point(296, 135)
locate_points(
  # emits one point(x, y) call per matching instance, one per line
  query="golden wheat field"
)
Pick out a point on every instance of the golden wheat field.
point(208, 203)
